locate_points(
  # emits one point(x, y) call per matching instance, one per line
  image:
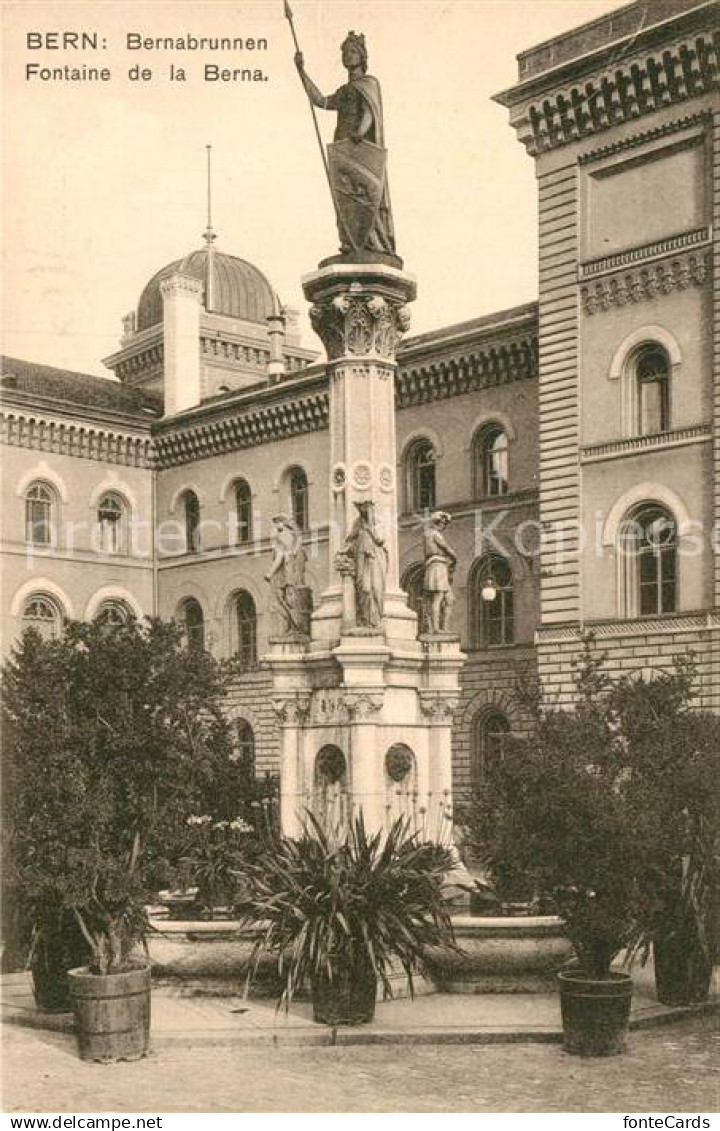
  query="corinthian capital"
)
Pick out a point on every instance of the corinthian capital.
point(366, 325)
point(291, 710)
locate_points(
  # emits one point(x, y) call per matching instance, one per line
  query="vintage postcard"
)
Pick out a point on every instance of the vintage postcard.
point(360, 556)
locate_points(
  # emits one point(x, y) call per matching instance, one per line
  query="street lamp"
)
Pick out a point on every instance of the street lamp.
point(489, 589)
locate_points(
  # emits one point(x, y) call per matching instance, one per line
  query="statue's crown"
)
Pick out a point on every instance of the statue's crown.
point(357, 40)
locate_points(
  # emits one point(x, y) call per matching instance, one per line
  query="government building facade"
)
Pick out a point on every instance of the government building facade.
point(574, 441)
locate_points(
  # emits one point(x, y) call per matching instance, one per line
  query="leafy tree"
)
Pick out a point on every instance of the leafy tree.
point(611, 809)
point(114, 738)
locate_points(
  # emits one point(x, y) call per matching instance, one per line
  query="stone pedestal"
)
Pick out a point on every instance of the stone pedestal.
point(365, 706)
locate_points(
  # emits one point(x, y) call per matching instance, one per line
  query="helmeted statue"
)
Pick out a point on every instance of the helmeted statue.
point(357, 157)
point(293, 601)
point(440, 560)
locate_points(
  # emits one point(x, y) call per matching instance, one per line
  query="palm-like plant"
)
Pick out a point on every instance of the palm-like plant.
point(342, 914)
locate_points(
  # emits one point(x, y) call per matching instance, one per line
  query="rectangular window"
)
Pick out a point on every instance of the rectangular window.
point(37, 522)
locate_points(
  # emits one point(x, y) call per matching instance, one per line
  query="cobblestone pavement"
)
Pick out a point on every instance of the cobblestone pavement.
point(668, 1069)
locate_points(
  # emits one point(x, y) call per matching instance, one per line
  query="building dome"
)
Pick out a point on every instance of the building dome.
point(232, 287)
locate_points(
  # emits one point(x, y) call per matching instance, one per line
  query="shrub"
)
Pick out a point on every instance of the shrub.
point(325, 907)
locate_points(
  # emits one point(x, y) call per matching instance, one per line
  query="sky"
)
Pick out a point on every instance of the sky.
point(105, 183)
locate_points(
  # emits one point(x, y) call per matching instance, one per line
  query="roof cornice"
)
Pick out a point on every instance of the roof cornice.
point(39, 405)
point(27, 425)
point(661, 65)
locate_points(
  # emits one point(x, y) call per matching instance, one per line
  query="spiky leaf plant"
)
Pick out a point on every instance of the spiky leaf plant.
point(362, 903)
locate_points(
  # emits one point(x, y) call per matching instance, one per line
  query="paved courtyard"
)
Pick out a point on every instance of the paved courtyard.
point(672, 1068)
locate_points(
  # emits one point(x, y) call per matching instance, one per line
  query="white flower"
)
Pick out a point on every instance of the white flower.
point(240, 826)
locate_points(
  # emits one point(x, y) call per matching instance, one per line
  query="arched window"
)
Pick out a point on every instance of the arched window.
point(648, 545)
point(489, 735)
point(491, 603)
point(245, 630)
point(191, 510)
point(491, 461)
point(420, 477)
point(193, 622)
point(111, 525)
point(652, 377)
point(42, 614)
point(243, 511)
point(412, 583)
point(113, 614)
point(299, 497)
point(40, 503)
point(245, 749)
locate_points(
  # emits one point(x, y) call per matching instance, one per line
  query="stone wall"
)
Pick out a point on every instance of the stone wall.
point(251, 699)
point(643, 647)
point(489, 680)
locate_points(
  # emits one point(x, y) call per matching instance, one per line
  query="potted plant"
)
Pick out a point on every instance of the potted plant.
point(341, 913)
point(563, 818)
point(41, 776)
point(673, 753)
point(136, 742)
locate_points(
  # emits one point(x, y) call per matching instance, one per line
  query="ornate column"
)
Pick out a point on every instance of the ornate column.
point(360, 312)
point(367, 674)
point(291, 711)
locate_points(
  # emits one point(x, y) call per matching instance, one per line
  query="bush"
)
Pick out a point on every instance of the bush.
point(611, 810)
point(113, 739)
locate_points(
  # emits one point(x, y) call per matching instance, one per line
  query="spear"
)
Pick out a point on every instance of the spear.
point(289, 18)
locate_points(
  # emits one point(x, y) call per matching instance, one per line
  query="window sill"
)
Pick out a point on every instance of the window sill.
point(634, 445)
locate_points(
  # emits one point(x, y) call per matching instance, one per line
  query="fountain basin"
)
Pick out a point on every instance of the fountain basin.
point(503, 954)
point(507, 954)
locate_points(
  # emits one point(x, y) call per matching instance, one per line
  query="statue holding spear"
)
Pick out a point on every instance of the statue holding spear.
point(356, 162)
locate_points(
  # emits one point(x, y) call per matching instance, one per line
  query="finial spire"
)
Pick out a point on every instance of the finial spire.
point(209, 234)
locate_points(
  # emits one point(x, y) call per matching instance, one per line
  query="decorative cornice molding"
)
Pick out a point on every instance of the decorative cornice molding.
point(292, 417)
point(574, 631)
point(253, 354)
point(146, 360)
point(497, 364)
point(658, 249)
point(645, 137)
point(31, 430)
point(179, 282)
point(547, 119)
point(615, 449)
point(645, 283)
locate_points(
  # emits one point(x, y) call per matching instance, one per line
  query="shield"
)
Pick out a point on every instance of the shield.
point(357, 178)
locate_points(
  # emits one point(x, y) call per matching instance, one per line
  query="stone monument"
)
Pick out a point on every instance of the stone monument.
point(365, 706)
